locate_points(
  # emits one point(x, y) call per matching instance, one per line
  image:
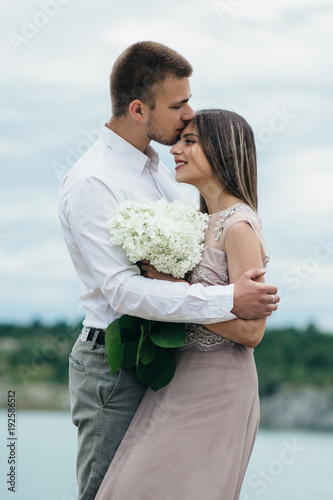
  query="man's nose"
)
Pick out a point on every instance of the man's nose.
point(188, 113)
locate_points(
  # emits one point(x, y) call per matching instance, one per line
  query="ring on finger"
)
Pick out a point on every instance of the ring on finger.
point(273, 299)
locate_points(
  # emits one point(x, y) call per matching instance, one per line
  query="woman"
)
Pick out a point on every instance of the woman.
point(192, 439)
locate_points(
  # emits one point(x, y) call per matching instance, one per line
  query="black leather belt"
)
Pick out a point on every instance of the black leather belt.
point(100, 339)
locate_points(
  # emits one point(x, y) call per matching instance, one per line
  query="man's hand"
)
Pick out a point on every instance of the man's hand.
point(253, 299)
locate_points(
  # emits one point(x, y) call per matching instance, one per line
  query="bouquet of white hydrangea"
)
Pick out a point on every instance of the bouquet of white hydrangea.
point(169, 235)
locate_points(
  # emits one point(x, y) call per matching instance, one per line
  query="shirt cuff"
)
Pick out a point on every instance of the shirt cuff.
point(221, 303)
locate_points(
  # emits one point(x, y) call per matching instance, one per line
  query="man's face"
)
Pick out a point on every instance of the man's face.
point(172, 111)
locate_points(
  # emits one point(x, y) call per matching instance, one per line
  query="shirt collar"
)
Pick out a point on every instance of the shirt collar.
point(129, 153)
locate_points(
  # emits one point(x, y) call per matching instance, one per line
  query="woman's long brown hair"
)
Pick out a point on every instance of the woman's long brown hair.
point(228, 143)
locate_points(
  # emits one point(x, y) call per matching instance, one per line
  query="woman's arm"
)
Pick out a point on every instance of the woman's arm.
point(248, 332)
point(243, 252)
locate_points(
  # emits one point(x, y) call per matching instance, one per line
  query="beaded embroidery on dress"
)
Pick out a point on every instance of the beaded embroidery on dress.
point(213, 267)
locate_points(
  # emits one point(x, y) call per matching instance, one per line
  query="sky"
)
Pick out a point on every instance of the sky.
point(268, 61)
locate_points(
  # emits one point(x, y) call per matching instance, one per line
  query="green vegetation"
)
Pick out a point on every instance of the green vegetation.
point(36, 353)
point(34, 363)
point(34, 359)
point(293, 358)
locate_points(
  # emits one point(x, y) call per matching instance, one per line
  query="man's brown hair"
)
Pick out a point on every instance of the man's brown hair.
point(139, 71)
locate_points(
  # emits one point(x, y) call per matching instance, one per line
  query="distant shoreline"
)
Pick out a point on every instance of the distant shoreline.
point(305, 408)
point(295, 372)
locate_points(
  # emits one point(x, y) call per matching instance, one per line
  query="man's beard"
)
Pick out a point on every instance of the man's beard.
point(155, 134)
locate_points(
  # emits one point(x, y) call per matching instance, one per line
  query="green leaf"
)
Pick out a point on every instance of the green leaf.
point(154, 326)
point(130, 328)
point(147, 351)
point(111, 330)
point(158, 372)
point(130, 353)
point(143, 334)
point(125, 348)
point(116, 348)
point(169, 335)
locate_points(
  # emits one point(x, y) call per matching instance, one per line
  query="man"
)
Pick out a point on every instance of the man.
point(150, 91)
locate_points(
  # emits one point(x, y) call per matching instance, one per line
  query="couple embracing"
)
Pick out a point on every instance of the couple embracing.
point(193, 438)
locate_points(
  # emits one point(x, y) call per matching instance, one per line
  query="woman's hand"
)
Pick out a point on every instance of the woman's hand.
point(149, 271)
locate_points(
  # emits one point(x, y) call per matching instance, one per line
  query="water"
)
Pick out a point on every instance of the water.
point(45, 456)
point(290, 465)
point(293, 465)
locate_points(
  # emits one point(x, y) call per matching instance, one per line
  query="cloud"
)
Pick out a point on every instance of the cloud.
point(46, 260)
point(303, 178)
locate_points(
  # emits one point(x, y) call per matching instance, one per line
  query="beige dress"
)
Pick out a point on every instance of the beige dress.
point(192, 439)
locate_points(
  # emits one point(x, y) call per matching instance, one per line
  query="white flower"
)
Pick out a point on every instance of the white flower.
point(169, 235)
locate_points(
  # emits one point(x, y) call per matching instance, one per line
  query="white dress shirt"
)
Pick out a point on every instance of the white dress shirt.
point(112, 171)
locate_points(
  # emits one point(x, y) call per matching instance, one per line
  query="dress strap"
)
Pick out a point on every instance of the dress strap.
point(239, 213)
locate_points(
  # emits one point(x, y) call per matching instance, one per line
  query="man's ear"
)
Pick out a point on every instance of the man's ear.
point(138, 110)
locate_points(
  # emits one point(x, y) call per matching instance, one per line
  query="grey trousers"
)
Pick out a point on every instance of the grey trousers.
point(102, 408)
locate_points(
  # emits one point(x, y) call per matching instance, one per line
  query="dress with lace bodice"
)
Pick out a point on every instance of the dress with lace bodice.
point(192, 439)
point(213, 267)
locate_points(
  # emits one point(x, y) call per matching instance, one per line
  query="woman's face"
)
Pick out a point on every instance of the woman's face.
point(192, 166)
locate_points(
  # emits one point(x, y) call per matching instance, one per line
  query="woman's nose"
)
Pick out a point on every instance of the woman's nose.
point(175, 150)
